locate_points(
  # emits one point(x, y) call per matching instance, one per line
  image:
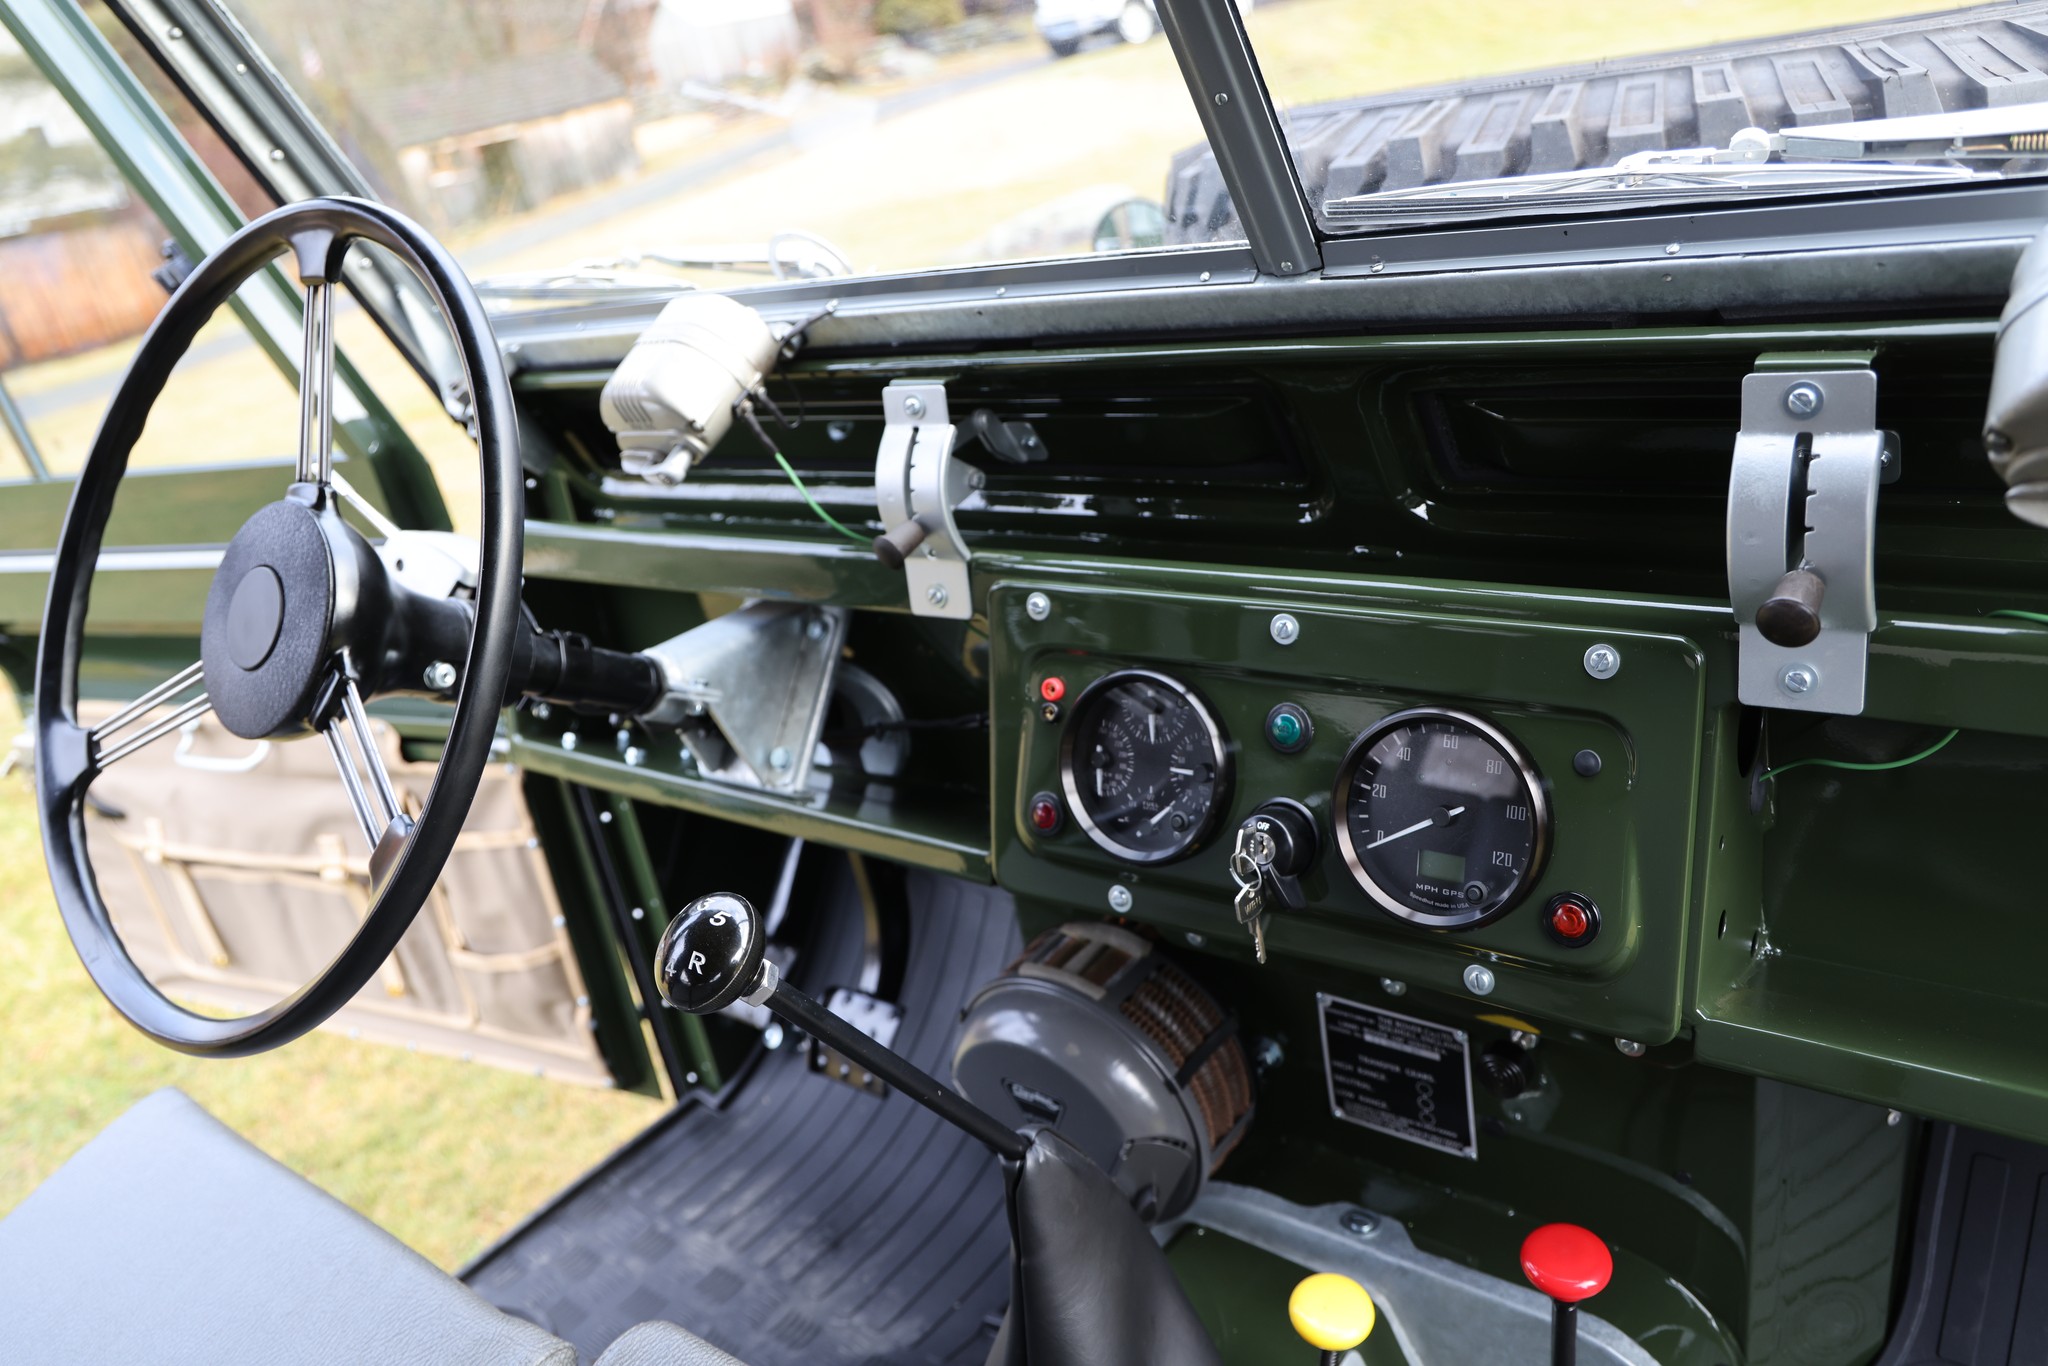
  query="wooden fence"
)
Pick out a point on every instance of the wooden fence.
point(77, 287)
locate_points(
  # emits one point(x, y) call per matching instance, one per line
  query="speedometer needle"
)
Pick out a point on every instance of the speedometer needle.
point(1419, 825)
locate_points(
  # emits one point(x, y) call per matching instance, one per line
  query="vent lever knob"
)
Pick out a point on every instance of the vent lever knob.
point(1791, 615)
point(715, 953)
point(895, 545)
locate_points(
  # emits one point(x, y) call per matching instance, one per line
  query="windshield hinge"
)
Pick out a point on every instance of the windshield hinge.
point(918, 484)
point(1802, 523)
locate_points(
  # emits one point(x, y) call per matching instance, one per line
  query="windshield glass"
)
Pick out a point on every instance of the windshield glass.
point(1421, 113)
point(628, 142)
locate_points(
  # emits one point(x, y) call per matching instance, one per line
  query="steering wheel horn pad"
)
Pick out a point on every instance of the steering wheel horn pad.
point(284, 543)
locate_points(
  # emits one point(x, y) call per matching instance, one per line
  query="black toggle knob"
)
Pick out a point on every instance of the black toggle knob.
point(710, 954)
point(1791, 615)
point(895, 545)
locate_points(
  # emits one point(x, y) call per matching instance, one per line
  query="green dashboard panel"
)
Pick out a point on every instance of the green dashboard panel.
point(1623, 837)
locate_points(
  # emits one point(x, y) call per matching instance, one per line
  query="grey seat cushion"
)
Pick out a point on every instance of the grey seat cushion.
point(663, 1344)
point(169, 1239)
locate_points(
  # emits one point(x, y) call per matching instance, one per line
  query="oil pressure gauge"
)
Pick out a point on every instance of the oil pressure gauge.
point(1444, 818)
point(1145, 766)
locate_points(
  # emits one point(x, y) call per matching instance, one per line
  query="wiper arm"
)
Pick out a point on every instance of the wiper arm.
point(1873, 154)
point(784, 256)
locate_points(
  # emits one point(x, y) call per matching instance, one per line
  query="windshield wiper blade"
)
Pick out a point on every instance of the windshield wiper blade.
point(1626, 184)
point(1873, 154)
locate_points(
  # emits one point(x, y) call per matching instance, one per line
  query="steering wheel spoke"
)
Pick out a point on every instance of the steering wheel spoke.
point(316, 387)
point(130, 728)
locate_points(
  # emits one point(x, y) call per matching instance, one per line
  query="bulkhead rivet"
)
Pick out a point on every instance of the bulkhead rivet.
point(1803, 399)
point(1222, 97)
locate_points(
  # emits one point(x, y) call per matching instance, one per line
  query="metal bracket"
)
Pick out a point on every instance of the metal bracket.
point(749, 691)
point(1802, 496)
point(918, 484)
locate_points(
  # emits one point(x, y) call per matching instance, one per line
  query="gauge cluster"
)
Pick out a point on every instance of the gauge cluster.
point(1465, 807)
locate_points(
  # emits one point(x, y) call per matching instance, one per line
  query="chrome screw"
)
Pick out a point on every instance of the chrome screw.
point(815, 628)
point(542, 711)
point(778, 759)
point(1629, 1048)
point(635, 756)
point(1803, 399)
point(1479, 979)
point(1361, 1223)
point(913, 405)
point(440, 675)
point(1284, 628)
point(569, 739)
point(1195, 941)
point(1603, 661)
point(1893, 1118)
point(1799, 678)
point(1393, 986)
point(936, 595)
point(1038, 607)
point(1119, 898)
point(1524, 1040)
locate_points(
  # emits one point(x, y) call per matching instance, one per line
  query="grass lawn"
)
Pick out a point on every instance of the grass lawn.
point(445, 1155)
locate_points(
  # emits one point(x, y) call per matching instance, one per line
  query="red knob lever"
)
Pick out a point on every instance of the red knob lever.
point(1568, 1264)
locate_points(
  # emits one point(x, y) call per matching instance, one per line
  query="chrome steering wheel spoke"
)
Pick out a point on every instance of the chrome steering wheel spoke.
point(116, 738)
point(316, 387)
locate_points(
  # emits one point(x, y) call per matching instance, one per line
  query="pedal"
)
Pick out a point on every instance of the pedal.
point(872, 1016)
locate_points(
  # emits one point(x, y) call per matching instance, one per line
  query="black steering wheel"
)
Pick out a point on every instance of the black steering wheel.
point(298, 627)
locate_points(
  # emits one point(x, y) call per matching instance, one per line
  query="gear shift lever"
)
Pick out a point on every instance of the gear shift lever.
point(1089, 1285)
point(712, 955)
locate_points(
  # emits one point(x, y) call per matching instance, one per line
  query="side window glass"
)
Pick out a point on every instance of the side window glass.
point(80, 254)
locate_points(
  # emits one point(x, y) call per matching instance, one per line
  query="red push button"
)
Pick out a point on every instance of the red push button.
point(1566, 1262)
point(1053, 688)
point(1571, 919)
point(1046, 815)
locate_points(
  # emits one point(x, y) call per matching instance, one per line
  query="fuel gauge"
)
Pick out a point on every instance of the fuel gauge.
point(1145, 766)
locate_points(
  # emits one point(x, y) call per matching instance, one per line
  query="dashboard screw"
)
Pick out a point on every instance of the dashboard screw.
point(936, 595)
point(1629, 1048)
point(1284, 628)
point(1603, 661)
point(1393, 986)
point(913, 405)
point(1799, 678)
point(1120, 898)
point(778, 759)
point(1803, 399)
point(1479, 979)
point(569, 739)
point(1893, 1118)
point(440, 675)
point(1038, 607)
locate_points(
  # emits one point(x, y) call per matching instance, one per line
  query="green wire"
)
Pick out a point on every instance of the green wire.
point(827, 518)
point(2038, 617)
point(1934, 748)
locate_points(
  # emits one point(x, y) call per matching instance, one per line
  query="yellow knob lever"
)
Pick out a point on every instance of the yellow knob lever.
point(1332, 1312)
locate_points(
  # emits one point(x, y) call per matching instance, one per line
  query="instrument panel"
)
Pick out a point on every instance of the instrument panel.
point(1432, 795)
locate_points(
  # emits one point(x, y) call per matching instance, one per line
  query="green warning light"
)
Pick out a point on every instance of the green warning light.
point(1288, 728)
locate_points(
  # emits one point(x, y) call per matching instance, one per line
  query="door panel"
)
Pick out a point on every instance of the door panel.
point(234, 874)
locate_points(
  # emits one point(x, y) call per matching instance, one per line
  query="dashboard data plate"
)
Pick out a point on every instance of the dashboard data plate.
point(1400, 1075)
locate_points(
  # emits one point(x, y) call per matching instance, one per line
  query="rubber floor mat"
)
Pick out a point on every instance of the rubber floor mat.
point(1978, 1291)
point(806, 1223)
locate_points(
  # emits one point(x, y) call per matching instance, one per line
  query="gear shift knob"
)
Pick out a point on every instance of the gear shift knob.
point(713, 953)
point(1332, 1313)
point(1569, 1264)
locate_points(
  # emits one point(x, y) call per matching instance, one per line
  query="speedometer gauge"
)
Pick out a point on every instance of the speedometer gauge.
point(1444, 818)
point(1145, 766)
